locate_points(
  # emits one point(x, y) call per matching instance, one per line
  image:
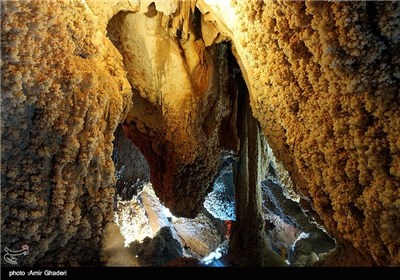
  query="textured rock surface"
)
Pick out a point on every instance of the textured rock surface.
point(157, 251)
point(323, 80)
point(280, 176)
point(144, 215)
point(324, 85)
point(131, 217)
point(198, 235)
point(220, 202)
point(249, 245)
point(131, 168)
point(63, 91)
point(155, 211)
point(183, 105)
point(310, 247)
point(286, 220)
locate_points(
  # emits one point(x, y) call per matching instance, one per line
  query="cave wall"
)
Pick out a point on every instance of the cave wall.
point(323, 79)
point(63, 93)
point(132, 172)
point(324, 84)
point(66, 87)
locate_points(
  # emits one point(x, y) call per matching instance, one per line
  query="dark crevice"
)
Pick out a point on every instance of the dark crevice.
point(151, 11)
point(372, 20)
point(196, 24)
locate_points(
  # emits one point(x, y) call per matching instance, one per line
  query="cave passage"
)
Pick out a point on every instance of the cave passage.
point(147, 224)
point(132, 133)
point(255, 206)
point(245, 218)
point(291, 233)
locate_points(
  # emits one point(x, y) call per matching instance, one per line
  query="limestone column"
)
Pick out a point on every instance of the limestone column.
point(249, 244)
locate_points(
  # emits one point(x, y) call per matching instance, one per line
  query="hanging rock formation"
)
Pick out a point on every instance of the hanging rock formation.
point(323, 80)
point(183, 104)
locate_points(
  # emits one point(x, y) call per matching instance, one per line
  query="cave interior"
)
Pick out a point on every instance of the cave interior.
point(200, 133)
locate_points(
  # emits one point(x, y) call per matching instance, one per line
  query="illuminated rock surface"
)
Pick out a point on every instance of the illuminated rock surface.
point(323, 80)
point(64, 91)
point(324, 85)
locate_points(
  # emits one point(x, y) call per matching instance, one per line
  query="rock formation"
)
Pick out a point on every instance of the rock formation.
point(179, 127)
point(220, 202)
point(249, 243)
point(131, 168)
point(324, 85)
point(198, 235)
point(322, 77)
point(157, 251)
point(64, 91)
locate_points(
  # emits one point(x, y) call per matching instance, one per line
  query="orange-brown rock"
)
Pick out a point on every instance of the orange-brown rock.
point(324, 83)
point(63, 93)
point(65, 87)
point(183, 105)
point(323, 80)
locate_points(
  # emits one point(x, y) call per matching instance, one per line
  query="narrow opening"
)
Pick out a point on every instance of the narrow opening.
point(147, 224)
point(292, 234)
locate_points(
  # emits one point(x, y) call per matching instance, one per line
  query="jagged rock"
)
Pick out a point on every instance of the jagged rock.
point(154, 210)
point(132, 219)
point(198, 235)
point(288, 221)
point(157, 251)
point(323, 80)
point(300, 251)
point(220, 202)
point(142, 216)
point(131, 168)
